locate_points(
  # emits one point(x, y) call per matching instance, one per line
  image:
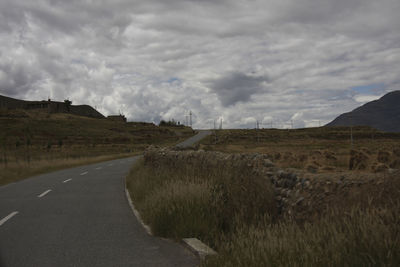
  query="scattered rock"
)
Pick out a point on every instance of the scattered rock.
point(383, 157)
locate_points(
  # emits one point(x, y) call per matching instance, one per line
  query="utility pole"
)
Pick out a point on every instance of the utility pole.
point(220, 124)
point(215, 132)
point(257, 129)
point(190, 115)
point(351, 131)
point(186, 120)
point(351, 136)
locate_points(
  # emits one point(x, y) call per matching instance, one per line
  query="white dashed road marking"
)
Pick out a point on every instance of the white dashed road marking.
point(44, 193)
point(84, 173)
point(66, 181)
point(99, 168)
point(110, 164)
point(12, 214)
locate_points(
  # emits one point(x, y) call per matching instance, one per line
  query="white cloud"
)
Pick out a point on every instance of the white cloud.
point(366, 98)
point(240, 60)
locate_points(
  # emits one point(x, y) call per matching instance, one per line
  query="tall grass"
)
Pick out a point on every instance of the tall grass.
point(198, 202)
point(362, 238)
point(233, 211)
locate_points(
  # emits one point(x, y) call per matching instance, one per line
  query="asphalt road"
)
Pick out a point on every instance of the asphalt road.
point(194, 139)
point(79, 217)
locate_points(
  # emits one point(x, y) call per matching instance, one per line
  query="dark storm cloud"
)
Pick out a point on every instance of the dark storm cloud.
point(236, 87)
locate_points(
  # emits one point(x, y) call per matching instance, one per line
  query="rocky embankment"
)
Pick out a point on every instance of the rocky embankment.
point(298, 194)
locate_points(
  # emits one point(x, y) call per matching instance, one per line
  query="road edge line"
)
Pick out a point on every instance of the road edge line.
point(194, 245)
point(136, 213)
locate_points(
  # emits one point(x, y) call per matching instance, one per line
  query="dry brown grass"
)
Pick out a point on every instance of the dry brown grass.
point(33, 142)
point(196, 201)
point(322, 149)
point(233, 211)
point(360, 238)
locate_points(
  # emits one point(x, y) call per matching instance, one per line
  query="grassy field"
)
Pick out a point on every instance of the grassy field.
point(327, 148)
point(35, 142)
point(233, 210)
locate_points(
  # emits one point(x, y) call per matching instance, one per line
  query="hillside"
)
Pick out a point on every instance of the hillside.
point(39, 128)
point(50, 106)
point(382, 114)
point(35, 141)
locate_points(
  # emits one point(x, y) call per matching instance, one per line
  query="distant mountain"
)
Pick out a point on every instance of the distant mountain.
point(50, 106)
point(382, 114)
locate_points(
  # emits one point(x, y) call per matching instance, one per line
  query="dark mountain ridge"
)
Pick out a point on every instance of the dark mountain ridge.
point(382, 114)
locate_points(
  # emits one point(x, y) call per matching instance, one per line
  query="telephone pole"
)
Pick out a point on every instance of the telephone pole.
point(215, 132)
point(186, 119)
point(351, 132)
point(190, 116)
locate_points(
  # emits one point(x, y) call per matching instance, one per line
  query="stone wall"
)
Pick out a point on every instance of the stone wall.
point(297, 194)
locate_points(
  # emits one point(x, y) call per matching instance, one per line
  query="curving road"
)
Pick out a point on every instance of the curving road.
point(80, 217)
point(194, 139)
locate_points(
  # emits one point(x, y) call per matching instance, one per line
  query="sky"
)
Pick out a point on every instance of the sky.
point(242, 61)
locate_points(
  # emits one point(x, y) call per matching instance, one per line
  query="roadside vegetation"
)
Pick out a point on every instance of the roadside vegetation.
point(325, 148)
point(233, 210)
point(197, 201)
point(33, 142)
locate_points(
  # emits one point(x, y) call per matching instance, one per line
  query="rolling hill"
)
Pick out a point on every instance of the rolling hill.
point(382, 114)
point(50, 106)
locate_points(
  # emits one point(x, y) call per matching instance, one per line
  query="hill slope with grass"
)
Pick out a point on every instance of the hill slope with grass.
point(382, 114)
point(32, 138)
point(9, 103)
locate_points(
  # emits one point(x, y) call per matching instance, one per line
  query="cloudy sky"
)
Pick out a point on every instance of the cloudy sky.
point(240, 60)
